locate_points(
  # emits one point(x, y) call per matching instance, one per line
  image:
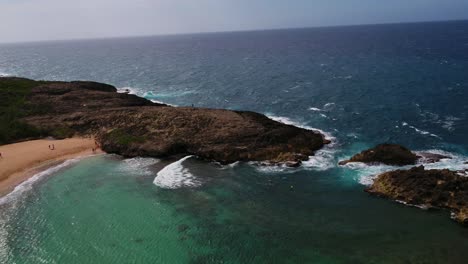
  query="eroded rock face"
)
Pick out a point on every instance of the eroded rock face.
point(133, 126)
point(389, 154)
point(426, 188)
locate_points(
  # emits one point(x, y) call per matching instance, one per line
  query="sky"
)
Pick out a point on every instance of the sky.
point(33, 20)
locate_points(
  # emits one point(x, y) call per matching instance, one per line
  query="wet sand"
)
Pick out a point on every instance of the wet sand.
point(22, 160)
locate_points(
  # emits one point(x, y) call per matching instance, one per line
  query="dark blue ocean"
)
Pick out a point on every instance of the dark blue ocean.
point(361, 85)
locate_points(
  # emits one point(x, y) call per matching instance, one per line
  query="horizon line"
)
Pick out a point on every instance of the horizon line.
point(230, 31)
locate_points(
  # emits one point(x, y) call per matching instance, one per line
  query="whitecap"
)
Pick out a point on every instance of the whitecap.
point(315, 109)
point(175, 176)
point(422, 132)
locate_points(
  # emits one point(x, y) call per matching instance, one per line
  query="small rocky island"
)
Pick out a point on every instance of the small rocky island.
point(419, 187)
point(132, 126)
point(427, 189)
point(394, 155)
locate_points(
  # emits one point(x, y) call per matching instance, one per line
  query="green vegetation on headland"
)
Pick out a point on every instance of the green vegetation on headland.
point(124, 138)
point(132, 126)
point(13, 106)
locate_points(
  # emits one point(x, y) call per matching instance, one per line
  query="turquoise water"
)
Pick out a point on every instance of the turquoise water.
point(363, 85)
point(107, 210)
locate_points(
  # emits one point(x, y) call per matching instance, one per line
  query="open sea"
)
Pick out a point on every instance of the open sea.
point(361, 85)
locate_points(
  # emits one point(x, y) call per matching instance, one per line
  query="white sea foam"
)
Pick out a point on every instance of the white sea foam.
point(12, 198)
point(136, 91)
point(140, 166)
point(367, 173)
point(288, 121)
point(28, 184)
point(422, 132)
point(315, 109)
point(175, 176)
point(323, 159)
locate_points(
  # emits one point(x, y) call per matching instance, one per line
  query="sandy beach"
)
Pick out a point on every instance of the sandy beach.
point(20, 161)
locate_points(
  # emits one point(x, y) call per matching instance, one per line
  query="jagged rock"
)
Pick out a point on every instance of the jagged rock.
point(390, 154)
point(131, 126)
point(426, 188)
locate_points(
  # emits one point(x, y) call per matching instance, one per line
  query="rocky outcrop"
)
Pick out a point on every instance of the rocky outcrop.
point(395, 155)
point(390, 154)
point(132, 126)
point(426, 188)
point(428, 157)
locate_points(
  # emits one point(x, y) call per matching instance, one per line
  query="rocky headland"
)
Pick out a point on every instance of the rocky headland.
point(133, 126)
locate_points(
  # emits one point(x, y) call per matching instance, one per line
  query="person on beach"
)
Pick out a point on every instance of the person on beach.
point(1, 157)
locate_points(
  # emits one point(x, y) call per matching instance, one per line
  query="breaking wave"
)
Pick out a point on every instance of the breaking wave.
point(175, 176)
point(29, 183)
point(323, 159)
point(147, 95)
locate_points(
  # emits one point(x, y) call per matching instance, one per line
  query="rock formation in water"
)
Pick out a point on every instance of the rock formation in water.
point(390, 154)
point(393, 154)
point(132, 126)
point(426, 188)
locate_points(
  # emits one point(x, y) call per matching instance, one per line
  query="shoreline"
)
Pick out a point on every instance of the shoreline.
point(21, 161)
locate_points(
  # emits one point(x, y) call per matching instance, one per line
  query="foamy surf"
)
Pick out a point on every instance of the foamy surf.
point(139, 166)
point(367, 173)
point(147, 95)
point(175, 176)
point(288, 121)
point(323, 159)
point(28, 184)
